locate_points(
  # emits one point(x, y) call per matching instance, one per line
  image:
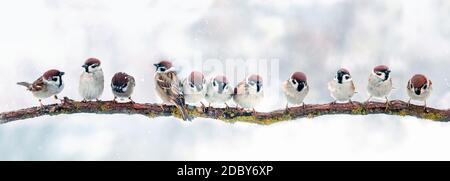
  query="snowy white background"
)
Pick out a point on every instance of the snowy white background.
point(314, 36)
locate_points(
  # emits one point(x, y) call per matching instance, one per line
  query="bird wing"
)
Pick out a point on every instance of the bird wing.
point(393, 88)
point(37, 85)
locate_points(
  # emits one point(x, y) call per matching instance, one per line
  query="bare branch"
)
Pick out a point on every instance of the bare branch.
point(397, 107)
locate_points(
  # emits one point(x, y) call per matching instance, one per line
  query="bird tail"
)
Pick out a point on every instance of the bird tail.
point(25, 84)
point(181, 105)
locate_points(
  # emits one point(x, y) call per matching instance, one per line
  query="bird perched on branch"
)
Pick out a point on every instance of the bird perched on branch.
point(249, 92)
point(342, 87)
point(194, 88)
point(380, 83)
point(168, 87)
point(419, 88)
point(295, 89)
point(219, 90)
point(91, 80)
point(49, 84)
point(122, 86)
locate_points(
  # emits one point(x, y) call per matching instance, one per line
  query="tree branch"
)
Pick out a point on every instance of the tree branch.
point(397, 107)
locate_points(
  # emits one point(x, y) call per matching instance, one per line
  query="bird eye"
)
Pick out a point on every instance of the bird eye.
point(55, 79)
point(425, 87)
point(162, 69)
point(294, 82)
point(192, 85)
point(94, 66)
point(379, 73)
point(214, 83)
point(347, 77)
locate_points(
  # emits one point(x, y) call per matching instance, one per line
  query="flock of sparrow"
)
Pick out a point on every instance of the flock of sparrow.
point(194, 88)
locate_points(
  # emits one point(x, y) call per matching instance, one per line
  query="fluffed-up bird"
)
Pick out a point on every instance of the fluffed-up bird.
point(48, 85)
point(419, 88)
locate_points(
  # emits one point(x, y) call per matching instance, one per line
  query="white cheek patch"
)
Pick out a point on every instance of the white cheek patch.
point(125, 88)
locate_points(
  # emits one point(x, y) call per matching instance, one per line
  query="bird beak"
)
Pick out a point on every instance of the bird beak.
point(84, 66)
point(61, 73)
point(156, 65)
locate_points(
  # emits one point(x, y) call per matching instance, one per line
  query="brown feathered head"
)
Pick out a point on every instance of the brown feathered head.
point(52, 73)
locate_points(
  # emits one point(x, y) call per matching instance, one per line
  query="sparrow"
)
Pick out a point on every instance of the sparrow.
point(169, 88)
point(194, 88)
point(419, 88)
point(91, 80)
point(342, 87)
point(249, 93)
point(49, 84)
point(218, 91)
point(295, 89)
point(122, 86)
point(380, 83)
